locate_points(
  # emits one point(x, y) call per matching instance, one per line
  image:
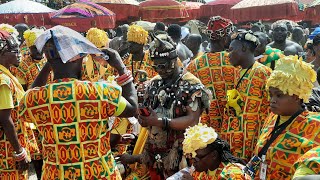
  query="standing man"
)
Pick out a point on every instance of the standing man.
point(266, 55)
point(280, 33)
point(215, 71)
point(194, 43)
point(176, 100)
point(71, 115)
point(121, 44)
point(14, 159)
point(247, 103)
point(184, 54)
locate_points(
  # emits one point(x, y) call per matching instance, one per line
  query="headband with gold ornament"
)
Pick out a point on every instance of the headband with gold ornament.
point(163, 47)
point(198, 137)
point(137, 34)
point(98, 37)
point(293, 76)
point(30, 36)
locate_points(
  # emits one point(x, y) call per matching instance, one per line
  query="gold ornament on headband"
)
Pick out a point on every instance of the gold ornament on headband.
point(10, 29)
point(98, 37)
point(30, 36)
point(293, 76)
point(137, 34)
point(198, 137)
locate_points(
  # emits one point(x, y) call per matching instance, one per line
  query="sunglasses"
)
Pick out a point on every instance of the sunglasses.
point(161, 66)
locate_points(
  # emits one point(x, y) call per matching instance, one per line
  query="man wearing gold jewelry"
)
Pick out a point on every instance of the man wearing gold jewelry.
point(175, 99)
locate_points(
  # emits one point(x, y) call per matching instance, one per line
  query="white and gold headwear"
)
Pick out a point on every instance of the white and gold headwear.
point(198, 137)
point(293, 76)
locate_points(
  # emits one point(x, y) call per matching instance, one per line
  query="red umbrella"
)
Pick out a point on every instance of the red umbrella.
point(313, 12)
point(218, 8)
point(83, 15)
point(163, 10)
point(248, 10)
point(25, 11)
point(124, 9)
point(193, 9)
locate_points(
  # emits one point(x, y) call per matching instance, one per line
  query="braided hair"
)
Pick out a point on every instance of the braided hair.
point(223, 149)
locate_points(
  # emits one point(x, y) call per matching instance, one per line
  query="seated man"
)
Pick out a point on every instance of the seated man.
point(72, 115)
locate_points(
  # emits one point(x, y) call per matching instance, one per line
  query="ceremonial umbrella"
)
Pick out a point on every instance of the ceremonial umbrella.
point(25, 11)
point(313, 12)
point(126, 10)
point(218, 8)
point(163, 10)
point(193, 9)
point(83, 15)
point(248, 10)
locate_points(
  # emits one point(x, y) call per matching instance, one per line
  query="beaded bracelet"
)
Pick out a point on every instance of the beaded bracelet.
point(123, 76)
point(21, 156)
point(127, 82)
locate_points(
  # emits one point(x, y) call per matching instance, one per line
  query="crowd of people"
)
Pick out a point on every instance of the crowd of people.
point(226, 103)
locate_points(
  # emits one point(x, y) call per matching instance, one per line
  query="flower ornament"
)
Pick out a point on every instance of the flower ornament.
point(246, 36)
point(293, 76)
point(30, 36)
point(198, 137)
point(137, 34)
point(98, 37)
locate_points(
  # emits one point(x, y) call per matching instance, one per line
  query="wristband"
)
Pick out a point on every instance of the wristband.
point(21, 156)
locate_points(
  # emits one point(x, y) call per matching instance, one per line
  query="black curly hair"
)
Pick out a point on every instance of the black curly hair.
point(223, 149)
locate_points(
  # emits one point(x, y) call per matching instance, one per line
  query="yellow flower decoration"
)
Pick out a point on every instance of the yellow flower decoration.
point(98, 37)
point(137, 34)
point(293, 76)
point(10, 29)
point(198, 137)
point(30, 36)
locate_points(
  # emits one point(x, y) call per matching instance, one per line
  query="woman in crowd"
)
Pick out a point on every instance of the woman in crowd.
point(209, 152)
point(290, 130)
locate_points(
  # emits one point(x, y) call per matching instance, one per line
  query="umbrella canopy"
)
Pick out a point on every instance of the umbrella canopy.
point(126, 10)
point(218, 8)
point(193, 9)
point(248, 10)
point(148, 26)
point(164, 10)
point(83, 15)
point(25, 11)
point(313, 12)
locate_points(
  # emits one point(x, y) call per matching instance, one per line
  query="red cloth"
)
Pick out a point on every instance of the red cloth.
point(4, 35)
point(154, 175)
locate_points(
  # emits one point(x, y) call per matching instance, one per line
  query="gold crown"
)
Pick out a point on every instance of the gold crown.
point(137, 34)
point(10, 29)
point(293, 76)
point(198, 137)
point(98, 37)
point(30, 36)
